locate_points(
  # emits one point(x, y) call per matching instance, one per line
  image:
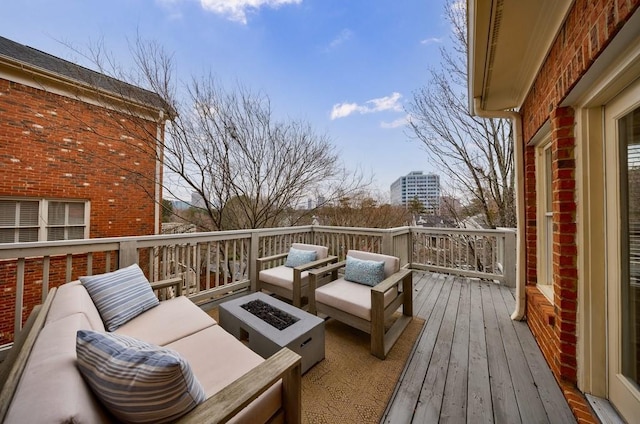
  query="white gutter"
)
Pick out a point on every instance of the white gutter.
point(518, 154)
point(158, 184)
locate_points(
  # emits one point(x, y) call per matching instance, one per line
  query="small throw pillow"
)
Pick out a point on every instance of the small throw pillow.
point(121, 295)
point(297, 257)
point(360, 271)
point(136, 381)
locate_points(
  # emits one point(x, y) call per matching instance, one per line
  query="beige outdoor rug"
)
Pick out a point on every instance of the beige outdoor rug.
point(350, 385)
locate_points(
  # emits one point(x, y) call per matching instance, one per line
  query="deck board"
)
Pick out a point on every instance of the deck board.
point(472, 363)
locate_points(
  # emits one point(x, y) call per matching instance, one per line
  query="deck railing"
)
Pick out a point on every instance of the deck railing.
point(214, 265)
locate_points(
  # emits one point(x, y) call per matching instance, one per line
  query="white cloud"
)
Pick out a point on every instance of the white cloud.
point(236, 10)
point(392, 102)
point(431, 40)
point(400, 122)
point(344, 36)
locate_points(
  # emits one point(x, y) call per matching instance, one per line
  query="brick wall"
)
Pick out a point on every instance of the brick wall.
point(57, 147)
point(588, 28)
point(52, 146)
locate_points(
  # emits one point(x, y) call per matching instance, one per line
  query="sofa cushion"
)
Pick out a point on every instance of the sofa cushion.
point(72, 298)
point(350, 297)
point(282, 276)
point(217, 359)
point(169, 321)
point(321, 251)
point(369, 273)
point(297, 257)
point(137, 381)
point(51, 389)
point(120, 295)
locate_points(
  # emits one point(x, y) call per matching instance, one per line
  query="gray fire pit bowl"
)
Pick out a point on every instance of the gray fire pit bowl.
point(305, 337)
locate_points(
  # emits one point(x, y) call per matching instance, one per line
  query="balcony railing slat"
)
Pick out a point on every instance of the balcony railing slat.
point(227, 258)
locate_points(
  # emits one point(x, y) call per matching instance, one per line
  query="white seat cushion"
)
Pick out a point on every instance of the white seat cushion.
point(321, 251)
point(282, 276)
point(169, 321)
point(353, 298)
point(51, 389)
point(72, 298)
point(217, 359)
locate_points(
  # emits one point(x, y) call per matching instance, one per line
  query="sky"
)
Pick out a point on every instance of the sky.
point(348, 67)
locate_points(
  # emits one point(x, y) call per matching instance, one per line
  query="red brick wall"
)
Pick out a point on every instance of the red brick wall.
point(588, 28)
point(52, 146)
point(57, 147)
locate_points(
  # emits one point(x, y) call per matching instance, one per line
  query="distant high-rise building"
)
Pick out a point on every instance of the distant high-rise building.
point(197, 201)
point(416, 184)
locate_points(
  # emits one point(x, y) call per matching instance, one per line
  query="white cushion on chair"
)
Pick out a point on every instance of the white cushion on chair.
point(321, 251)
point(391, 263)
point(282, 276)
point(353, 298)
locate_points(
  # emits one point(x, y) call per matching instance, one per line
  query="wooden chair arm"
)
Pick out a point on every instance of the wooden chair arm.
point(328, 268)
point(169, 282)
point(272, 257)
point(391, 281)
point(316, 264)
point(224, 405)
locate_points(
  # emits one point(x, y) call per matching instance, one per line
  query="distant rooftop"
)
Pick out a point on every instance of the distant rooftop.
point(38, 60)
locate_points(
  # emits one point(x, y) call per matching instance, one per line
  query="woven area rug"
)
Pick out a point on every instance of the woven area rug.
point(350, 385)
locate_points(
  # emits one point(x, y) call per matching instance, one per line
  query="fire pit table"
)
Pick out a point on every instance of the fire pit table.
point(269, 324)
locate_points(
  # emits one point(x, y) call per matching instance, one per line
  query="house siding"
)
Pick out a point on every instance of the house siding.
point(58, 147)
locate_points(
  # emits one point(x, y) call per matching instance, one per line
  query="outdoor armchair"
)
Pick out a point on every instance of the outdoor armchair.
point(291, 282)
point(366, 305)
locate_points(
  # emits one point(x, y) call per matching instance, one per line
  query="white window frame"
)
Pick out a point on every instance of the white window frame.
point(544, 217)
point(43, 215)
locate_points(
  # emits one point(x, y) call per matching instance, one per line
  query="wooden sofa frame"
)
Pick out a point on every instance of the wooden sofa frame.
point(296, 296)
point(381, 341)
point(219, 408)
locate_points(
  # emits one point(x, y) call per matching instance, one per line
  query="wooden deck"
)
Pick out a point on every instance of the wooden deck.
point(472, 363)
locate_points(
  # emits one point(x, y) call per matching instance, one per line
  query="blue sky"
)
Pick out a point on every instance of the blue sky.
point(347, 66)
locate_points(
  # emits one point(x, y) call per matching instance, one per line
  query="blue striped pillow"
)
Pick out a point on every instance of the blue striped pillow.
point(138, 382)
point(365, 272)
point(121, 295)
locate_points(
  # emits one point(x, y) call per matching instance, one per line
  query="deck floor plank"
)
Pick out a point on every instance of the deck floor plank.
point(454, 403)
point(405, 398)
point(472, 359)
point(432, 393)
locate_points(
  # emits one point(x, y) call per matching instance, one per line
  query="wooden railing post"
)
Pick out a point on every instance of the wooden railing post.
point(254, 251)
point(127, 254)
point(387, 243)
point(508, 258)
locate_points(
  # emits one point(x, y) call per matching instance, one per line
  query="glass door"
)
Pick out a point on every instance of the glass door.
point(622, 123)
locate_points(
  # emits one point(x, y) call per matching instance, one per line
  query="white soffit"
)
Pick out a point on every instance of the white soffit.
point(509, 40)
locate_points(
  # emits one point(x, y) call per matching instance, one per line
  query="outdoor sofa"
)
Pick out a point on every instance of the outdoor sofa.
point(42, 381)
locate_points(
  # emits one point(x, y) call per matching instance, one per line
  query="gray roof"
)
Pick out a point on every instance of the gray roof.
point(71, 71)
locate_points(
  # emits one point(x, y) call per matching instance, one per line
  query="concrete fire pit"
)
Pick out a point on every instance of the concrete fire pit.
point(305, 336)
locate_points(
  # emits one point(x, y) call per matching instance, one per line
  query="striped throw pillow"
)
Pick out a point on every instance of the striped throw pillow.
point(121, 295)
point(369, 273)
point(138, 382)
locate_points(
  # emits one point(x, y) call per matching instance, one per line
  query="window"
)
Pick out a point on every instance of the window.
point(544, 172)
point(42, 220)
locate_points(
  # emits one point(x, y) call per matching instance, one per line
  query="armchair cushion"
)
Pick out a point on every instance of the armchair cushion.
point(282, 276)
point(138, 382)
point(297, 257)
point(365, 272)
point(353, 298)
point(120, 295)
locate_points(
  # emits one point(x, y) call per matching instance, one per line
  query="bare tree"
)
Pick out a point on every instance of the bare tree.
point(475, 153)
point(247, 168)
